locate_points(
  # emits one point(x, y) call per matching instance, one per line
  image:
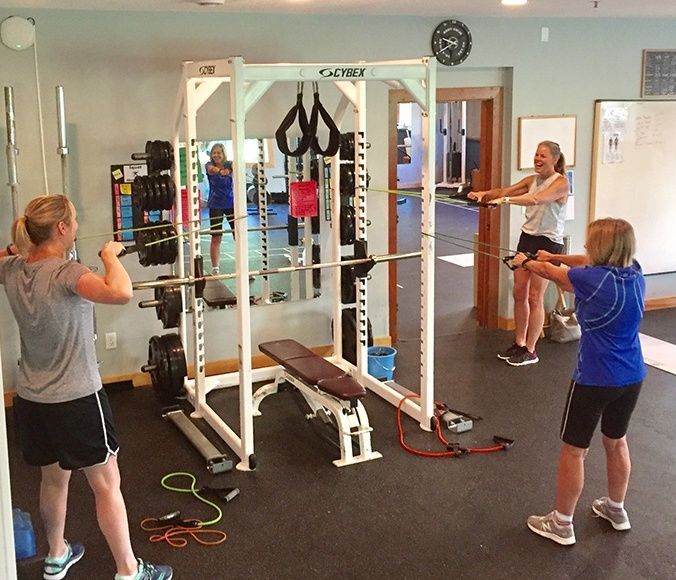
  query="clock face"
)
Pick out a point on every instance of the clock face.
point(451, 42)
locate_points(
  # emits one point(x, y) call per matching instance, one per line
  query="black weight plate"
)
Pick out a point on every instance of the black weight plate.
point(164, 194)
point(347, 146)
point(172, 306)
point(171, 191)
point(144, 197)
point(155, 355)
point(153, 156)
point(156, 195)
point(142, 240)
point(177, 367)
point(172, 248)
point(347, 179)
point(168, 153)
point(162, 247)
point(151, 248)
point(137, 192)
point(347, 225)
point(157, 248)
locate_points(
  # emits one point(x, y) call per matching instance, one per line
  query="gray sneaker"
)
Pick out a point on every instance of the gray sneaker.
point(617, 517)
point(511, 351)
point(547, 527)
point(523, 358)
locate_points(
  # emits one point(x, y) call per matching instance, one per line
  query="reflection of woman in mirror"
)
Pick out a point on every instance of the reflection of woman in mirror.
point(544, 195)
point(220, 202)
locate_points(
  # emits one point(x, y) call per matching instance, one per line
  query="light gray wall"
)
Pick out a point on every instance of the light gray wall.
point(121, 74)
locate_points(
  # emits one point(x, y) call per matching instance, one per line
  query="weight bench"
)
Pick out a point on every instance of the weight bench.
point(218, 295)
point(329, 392)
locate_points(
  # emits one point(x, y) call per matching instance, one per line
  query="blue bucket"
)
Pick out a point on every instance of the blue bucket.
point(381, 362)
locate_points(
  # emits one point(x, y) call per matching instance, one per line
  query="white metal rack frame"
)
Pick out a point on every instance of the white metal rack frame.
point(248, 83)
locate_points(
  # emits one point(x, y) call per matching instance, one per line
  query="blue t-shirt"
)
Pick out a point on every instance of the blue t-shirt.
point(609, 303)
point(220, 190)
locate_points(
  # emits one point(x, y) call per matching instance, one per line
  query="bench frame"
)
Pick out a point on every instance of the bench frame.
point(350, 416)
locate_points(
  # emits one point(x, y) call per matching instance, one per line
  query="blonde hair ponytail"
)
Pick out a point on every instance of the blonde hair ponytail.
point(20, 236)
point(36, 225)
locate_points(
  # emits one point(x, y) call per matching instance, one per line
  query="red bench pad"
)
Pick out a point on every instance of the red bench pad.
point(312, 369)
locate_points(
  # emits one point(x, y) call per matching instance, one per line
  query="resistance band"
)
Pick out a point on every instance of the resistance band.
point(452, 449)
point(175, 531)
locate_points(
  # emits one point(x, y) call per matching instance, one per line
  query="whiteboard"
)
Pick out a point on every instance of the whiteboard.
point(535, 130)
point(634, 175)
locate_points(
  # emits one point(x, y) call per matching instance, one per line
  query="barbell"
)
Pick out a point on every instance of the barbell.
point(362, 265)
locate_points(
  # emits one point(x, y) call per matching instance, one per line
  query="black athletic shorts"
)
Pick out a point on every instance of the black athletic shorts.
point(531, 244)
point(76, 434)
point(586, 405)
point(216, 220)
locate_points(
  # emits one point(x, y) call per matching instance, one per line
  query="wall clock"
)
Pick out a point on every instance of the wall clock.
point(451, 42)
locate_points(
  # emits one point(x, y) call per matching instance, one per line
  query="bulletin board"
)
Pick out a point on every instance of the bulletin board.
point(558, 128)
point(658, 73)
point(121, 178)
point(634, 175)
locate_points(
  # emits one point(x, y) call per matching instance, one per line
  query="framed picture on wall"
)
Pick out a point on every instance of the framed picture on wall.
point(558, 128)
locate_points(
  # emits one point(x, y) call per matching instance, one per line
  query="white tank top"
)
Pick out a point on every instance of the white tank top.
point(546, 219)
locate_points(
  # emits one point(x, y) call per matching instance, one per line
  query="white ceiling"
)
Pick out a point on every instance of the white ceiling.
point(441, 8)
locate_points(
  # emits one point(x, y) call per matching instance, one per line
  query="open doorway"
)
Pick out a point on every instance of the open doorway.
point(461, 161)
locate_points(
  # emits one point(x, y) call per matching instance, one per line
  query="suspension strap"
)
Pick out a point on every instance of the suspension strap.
point(306, 128)
point(334, 133)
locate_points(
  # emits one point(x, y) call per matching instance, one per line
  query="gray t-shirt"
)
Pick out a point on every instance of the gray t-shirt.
point(58, 358)
point(547, 219)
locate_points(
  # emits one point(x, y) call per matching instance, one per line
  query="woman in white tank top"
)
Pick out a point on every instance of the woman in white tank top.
point(544, 195)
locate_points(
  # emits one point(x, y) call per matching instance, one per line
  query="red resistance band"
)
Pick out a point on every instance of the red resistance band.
point(452, 449)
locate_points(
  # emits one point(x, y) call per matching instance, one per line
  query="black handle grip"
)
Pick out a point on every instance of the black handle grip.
point(127, 250)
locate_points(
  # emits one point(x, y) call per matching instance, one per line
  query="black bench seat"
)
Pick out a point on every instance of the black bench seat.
point(313, 369)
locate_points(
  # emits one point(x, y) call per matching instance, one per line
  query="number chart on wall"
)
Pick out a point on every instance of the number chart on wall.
point(634, 175)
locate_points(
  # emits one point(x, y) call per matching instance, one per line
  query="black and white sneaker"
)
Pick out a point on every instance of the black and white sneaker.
point(511, 351)
point(523, 358)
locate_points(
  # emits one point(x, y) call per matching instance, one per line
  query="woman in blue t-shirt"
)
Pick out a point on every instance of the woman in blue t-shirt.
point(609, 292)
point(221, 201)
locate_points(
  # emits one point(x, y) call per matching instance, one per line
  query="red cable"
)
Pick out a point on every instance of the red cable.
point(441, 438)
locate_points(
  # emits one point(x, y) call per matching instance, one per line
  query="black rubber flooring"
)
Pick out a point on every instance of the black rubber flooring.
point(401, 516)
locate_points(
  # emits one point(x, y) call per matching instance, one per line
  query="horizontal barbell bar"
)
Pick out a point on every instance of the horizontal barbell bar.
point(191, 280)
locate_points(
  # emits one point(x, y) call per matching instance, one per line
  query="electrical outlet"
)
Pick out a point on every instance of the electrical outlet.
point(111, 340)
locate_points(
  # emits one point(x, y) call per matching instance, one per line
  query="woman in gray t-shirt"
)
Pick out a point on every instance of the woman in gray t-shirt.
point(544, 195)
point(63, 417)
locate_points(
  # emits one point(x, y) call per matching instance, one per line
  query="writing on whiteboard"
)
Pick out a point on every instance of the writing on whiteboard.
point(649, 129)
